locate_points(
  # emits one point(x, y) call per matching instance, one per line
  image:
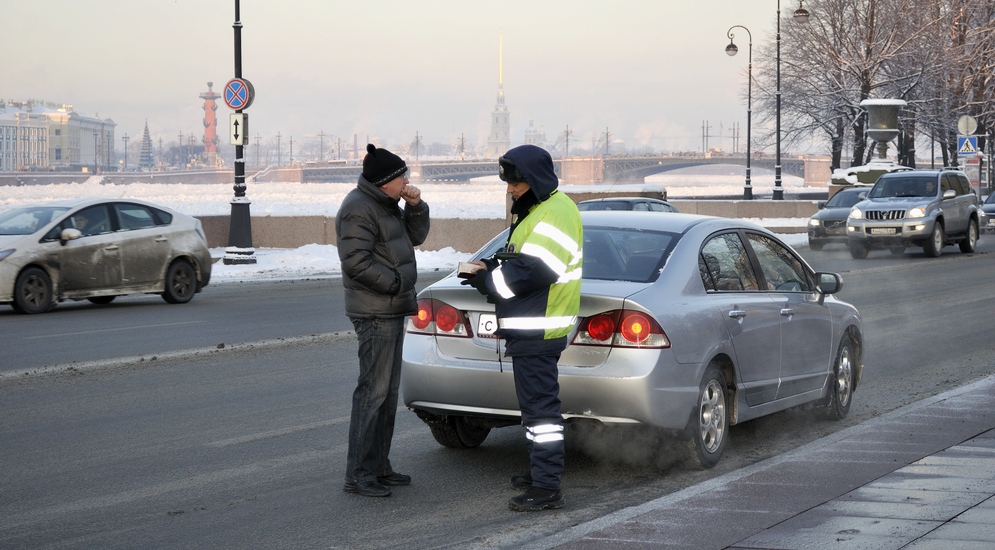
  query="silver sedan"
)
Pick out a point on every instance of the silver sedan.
point(98, 249)
point(688, 324)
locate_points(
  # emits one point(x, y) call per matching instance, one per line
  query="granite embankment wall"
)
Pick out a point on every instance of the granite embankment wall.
point(467, 235)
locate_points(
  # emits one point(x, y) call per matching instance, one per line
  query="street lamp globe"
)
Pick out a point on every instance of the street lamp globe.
point(801, 15)
point(732, 49)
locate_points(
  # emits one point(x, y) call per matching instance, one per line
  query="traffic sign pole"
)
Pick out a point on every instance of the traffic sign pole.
point(238, 95)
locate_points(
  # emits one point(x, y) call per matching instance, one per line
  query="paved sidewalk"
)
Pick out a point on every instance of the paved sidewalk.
point(920, 477)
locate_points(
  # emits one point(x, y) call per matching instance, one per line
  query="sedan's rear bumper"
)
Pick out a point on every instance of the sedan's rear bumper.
point(622, 390)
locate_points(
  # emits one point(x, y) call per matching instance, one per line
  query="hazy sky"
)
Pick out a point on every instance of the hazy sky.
point(650, 71)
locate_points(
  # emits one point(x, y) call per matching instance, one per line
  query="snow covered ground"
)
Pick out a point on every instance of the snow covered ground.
point(482, 198)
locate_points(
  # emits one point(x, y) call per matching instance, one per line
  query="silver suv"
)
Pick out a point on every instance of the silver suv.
point(927, 208)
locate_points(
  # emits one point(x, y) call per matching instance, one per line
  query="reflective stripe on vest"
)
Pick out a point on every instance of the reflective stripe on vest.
point(502, 287)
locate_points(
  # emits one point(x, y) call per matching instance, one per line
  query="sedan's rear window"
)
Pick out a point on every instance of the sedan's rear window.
point(617, 254)
point(613, 253)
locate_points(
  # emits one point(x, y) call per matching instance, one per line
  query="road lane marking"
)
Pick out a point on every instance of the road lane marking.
point(283, 431)
point(110, 330)
point(151, 358)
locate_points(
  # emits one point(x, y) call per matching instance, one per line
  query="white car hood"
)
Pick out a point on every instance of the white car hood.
point(8, 241)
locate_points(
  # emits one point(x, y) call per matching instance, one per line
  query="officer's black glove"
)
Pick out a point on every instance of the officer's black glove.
point(478, 281)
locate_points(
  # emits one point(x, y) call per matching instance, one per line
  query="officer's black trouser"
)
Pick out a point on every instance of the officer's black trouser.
point(538, 398)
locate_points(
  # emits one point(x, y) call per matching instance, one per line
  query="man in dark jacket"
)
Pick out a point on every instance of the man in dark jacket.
point(536, 292)
point(376, 241)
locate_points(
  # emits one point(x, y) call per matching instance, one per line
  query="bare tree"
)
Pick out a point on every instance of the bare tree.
point(938, 55)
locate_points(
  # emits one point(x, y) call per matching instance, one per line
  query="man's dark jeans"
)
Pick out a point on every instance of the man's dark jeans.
point(374, 402)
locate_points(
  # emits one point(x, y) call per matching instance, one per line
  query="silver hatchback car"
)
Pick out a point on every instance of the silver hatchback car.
point(688, 324)
point(98, 249)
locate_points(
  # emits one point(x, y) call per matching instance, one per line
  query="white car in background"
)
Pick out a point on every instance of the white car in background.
point(98, 249)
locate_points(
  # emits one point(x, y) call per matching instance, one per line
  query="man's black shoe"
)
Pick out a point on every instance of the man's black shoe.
point(366, 488)
point(394, 478)
point(521, 481)
point(536, 499)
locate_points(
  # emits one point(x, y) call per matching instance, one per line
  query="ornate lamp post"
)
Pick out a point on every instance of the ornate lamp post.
point(801, 15)
point(731, 50)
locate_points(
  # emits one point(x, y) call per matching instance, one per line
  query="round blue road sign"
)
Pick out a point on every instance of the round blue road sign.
point(239, 94)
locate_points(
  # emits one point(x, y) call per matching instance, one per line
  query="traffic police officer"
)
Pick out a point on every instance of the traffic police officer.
point(535, 286)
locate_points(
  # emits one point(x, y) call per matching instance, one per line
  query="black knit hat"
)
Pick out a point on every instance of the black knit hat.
point(381, 166)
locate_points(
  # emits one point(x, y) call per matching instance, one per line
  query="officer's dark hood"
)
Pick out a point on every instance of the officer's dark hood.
point(537, 166)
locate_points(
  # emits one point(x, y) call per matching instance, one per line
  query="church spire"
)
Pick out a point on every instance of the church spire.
point(499, 140)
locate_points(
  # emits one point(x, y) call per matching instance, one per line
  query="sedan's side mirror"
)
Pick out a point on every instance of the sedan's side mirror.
point(828, 283)
point(949, 194)
point(69, 234)
point(862, 196)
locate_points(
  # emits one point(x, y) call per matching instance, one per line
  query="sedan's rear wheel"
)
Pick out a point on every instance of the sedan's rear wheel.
point(33, 291)
point(857, 250)
point(181, 283)
point(836, 404)
point(971, 239)
point(933, 246)
point(710, 423)
point(101, 300)
point(455, 432)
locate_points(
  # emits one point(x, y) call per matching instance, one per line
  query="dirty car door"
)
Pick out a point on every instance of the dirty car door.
point(93, 261)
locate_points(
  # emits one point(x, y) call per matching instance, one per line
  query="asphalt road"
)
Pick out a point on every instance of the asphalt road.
point(244, 447)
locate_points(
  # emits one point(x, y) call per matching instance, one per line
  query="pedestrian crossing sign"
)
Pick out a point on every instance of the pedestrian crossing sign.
point(967, 145)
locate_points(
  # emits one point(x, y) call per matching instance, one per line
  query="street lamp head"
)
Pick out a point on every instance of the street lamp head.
point(801, 15)
point(732, 49)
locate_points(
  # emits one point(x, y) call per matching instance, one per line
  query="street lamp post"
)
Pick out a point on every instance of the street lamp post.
point(731, 50)
point(125, 138)
point(801, 15)
point(240, 250)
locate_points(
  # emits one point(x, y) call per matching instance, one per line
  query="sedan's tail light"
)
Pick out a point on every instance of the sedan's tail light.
point(438, 318)
point(621, 328)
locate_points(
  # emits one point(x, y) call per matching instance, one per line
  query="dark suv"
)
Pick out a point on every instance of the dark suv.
point(927, 208)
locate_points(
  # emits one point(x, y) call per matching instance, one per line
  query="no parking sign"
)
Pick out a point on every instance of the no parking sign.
point(239, 94)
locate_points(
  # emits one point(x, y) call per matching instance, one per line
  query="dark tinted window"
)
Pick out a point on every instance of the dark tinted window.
point(134, 216)
point(782, 270)
point(162, 217)
point(604, 205)
point(904, 186)
point(845, 199)
point(724, 264)
point(617, 254)
point(612, 254)
point(92, 220)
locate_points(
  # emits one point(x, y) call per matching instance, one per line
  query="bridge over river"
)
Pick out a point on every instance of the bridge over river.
point(572, 170)
point(577, 170)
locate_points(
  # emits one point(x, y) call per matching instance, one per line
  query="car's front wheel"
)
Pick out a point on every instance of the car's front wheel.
point(836, 404)
point(857, 250)
point(33, 291)
point(709, 426)
point(933, 246)
point(455, 432)
point(181, 283)
point(815, 245)
point(971, 239)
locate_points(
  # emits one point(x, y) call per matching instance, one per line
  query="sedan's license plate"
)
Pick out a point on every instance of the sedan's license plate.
point(486, 325)
point(882, 231)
